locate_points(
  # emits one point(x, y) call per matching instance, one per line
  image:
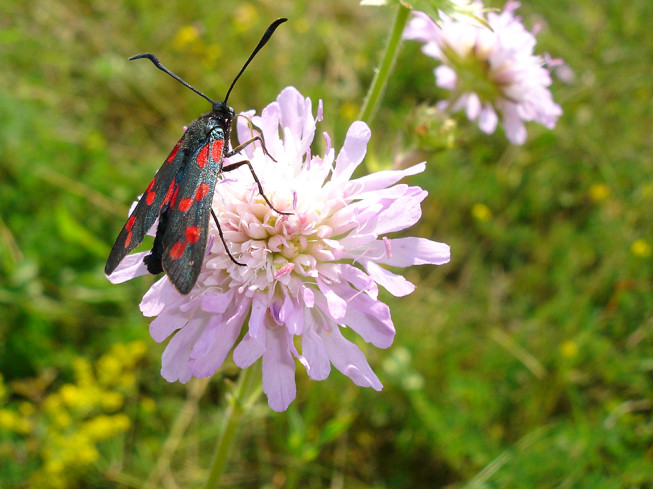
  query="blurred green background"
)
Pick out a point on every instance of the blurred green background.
point(526, 362)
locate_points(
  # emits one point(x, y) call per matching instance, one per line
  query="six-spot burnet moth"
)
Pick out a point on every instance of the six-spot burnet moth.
point(181, 192)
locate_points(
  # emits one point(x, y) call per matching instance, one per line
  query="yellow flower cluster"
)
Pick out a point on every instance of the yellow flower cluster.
point(64, 431)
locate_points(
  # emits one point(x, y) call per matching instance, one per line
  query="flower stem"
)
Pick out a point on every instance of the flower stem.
point(380, 80)
point(195, 392)
point(246, 392)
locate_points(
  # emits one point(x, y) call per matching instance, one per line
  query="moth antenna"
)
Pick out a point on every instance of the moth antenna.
point(266, 37)
point(158, 64)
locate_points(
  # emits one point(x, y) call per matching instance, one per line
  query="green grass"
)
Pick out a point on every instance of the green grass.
point(524, 363)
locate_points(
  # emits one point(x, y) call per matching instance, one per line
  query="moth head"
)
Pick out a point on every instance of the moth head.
point(222, 114)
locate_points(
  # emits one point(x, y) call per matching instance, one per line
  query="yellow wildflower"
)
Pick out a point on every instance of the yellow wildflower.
point(185, 36)
point(481, 212)
point(640, 248)
point(599, 192)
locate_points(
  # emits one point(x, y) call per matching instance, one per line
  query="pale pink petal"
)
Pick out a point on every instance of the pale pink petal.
point(473, 107)
point(402, 213)
point(353, 150)
point(370, 318)
point(320, 110)
point(245, 131)
point(409, 251)
point(445, 77)
point(419, 27)
point(161, 294)
point(130, 267)
point(359, 279)
point(292, 315)
point(292, 110)
point(217, 303)
point(355, 241)
point(167, 322)
point(412, 212)
point(336, 304)
point(174, 361)
point(488, 119)
point(278, 371)
point(217, 340)
point(383, 179)
point(461, 103)
point(349, 359)
point(257, 317)
point(269, 124)
point(393, 283)
point(316, 356)
point(249, 350)
point(308, 296)
point(514, 126)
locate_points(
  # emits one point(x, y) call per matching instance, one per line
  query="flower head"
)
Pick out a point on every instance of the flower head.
point(308, 275)
point(454, 8)
point(492, 73)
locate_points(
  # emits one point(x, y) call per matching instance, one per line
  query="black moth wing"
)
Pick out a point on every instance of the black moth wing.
point(184, 241)
point(156, 196)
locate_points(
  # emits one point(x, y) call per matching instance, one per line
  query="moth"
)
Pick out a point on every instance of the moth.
point(181, 192)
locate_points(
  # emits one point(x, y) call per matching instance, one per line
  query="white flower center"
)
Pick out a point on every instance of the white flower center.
point(274, 247)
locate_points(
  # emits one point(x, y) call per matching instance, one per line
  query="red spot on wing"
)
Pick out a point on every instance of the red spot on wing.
point(192, 234)
point(201, 191)
point(177, 250)
point(216, 150)
point(173, 200)
point(174, 151)
point(128, 239)
point(169, 194)
point(130, 223)
point(203, 156)
point(184, 204)
point(149, 187)
point(149, 198)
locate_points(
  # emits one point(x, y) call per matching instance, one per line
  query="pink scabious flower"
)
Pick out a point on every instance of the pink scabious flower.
point(308, 275)
point(492, 73)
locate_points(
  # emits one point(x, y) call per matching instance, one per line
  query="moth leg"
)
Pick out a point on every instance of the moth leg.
point(247, 143)
point(233, 166)
point(226, 248)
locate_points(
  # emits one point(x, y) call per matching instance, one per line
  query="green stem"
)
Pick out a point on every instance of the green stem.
point(380, 80)
point(243, 398)
point(188, 412)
